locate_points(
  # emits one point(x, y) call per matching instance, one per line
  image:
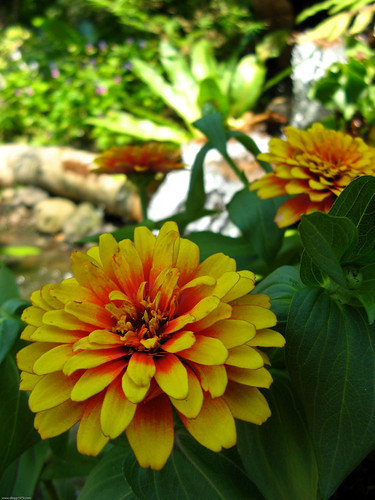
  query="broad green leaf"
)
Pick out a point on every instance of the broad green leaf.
point(192, 472)
point(125, 123)
point(183, 103)
point(255, 217)
point(203, 63)
point(246, 85)
point(210, 94)
point(9, 331)
point(212, 127)
point(106, 480)
point(365, 292)
point(237, 248)
point(311, 275)
point(357, 203)
point(326, 239)
point(69, 463)
point(8, 285)
point(17, 432)
point(278, 455)
point(21, 476)
point(330, 355)
point(177, 69)
point(280, 286)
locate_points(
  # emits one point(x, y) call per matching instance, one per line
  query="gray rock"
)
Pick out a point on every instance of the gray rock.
point(85, 220)
point(51, 214)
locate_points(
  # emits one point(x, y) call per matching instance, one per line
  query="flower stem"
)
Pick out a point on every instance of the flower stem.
point(142, 191)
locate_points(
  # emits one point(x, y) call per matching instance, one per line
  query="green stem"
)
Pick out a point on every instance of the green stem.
point(142, 191)
point(240, 174)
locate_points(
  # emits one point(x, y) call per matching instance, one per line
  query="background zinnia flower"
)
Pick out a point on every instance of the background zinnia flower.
point(149, 157)
point(316, 165)
point(143, 329)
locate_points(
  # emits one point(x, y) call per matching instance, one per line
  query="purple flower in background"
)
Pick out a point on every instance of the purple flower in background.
point(92, 62)
point(117, 79)
point(29, 91)
point(101, 90)
point(55, 73)
point(142, 44)
point(17, 93)
point(130, 40)
point(89, 47)
point(102, 45)
point(127, 65)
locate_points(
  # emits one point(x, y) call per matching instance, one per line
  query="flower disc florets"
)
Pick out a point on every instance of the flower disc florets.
point(315, 165)
point(143, 329)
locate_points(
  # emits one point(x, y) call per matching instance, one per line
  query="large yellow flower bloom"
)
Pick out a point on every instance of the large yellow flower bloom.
point(140, 330)
point(316, 165)
point(148, 158)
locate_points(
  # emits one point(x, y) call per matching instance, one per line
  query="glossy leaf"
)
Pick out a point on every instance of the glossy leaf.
point(17, 432)
point(9, 331)
point(278, 455)
point(8, 285)
point(106, 480)
point(21, 476)
point(357, 203)
point(196, 194)
point(246, 85)
point(255, 217)
point(280, 286)
point(330, 357)
point(192, 472)
point(326, 239)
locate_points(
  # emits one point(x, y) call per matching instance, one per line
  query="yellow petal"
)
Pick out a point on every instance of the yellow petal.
point(206, 351)
point(187, 260)
point(108, 246)
point(141, 368)
point(70, 290)
point(244, 285)
point(177, 323)
point(257, 378)
point(191, 406)
point(52, 390)
point(165, 253)
point(62, 319)
point(151, 433)
point(27, 356)
point(253, 299)
point(28, 381)
point(231, 332)
point(90, 438)
point(128, 277)
point(28, 331)
point(144, 242)
point(214, 427)
point(104, 337)
point(222, 311)
point(38, 301)
point(90, 313)
point(258, 316)
point(91, 359)
point(171, 376)
point(216, 265)
point(47, 333)
point(117, 411)
point(47, 293)
point(55, 421)
point(179, 341)
point(133, 392)
point(247, 403)
point(33, 316)
point(53, 360)
point(244, 356)
point(225, 283)
point(213, 378)
point(95, 380)
point(267, 338)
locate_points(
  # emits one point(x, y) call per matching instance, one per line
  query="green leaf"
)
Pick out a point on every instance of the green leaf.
point(203, 62)
point(192, 472)
point(9, 331)
point(106, 480)
point(21, 476)
point(125, 123)
point(196, 196)
point(8, 285)
point(278, 455)
point(326, 239)
point(280, 286)
point(69, 463)
point(17, 432)
point(246, 85)
point(357, 203)
point(210, 93)
point(212, 127)
point(365, 292)
point(255, 217)
point(237, 248)
point(330, 355)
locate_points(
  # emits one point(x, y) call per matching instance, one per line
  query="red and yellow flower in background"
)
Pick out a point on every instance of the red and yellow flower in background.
point(147, 158)
point(143, 330)
point(315, 165)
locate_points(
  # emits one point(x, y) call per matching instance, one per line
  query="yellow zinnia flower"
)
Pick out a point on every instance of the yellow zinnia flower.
point(316, 165)
point(140, 330)
point(148, 158)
